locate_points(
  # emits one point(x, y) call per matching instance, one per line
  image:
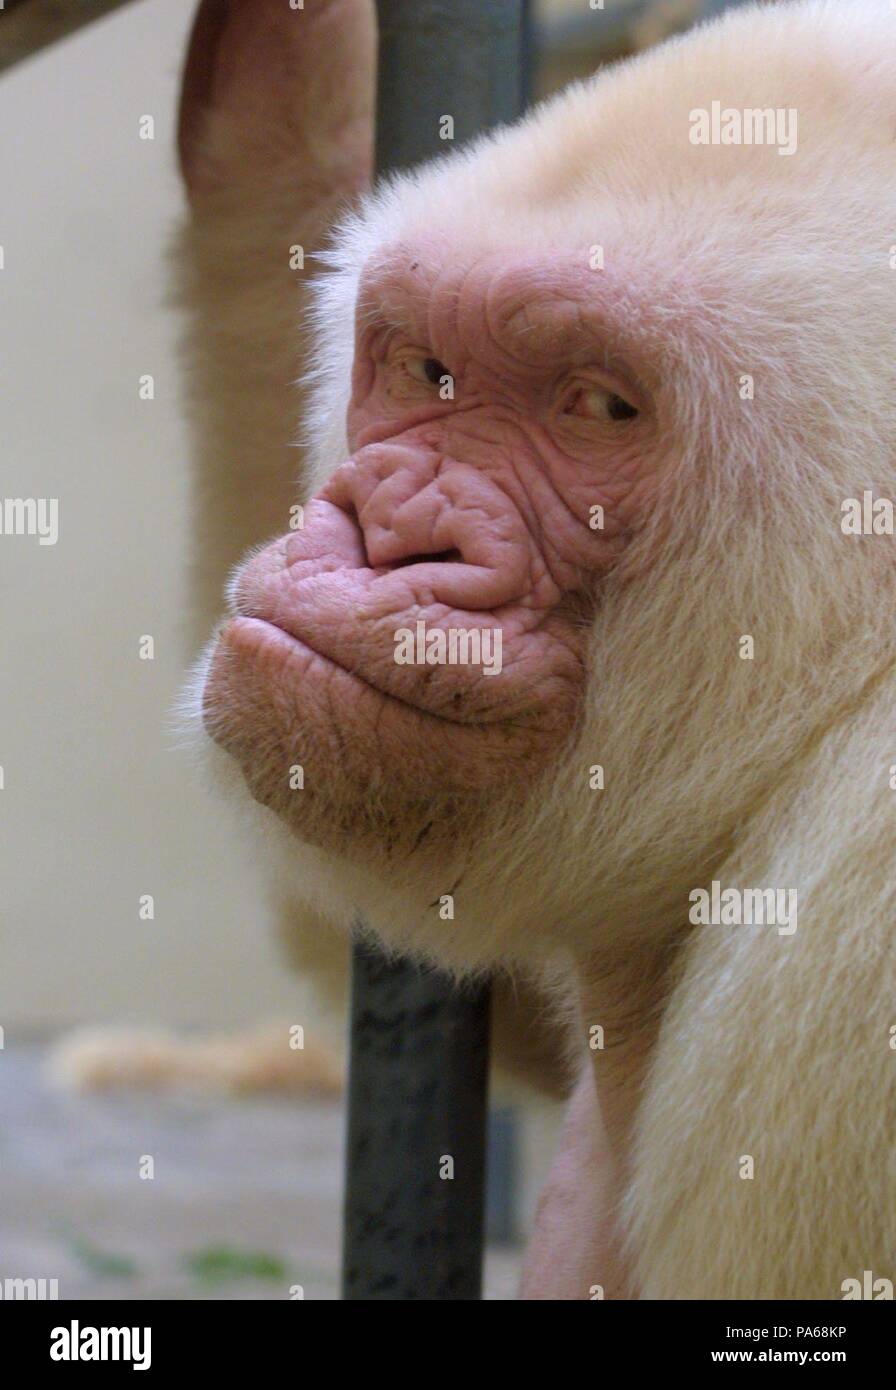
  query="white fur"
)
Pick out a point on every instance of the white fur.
point(770, 772)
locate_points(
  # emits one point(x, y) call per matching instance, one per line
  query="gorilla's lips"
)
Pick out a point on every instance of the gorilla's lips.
point(322, 661)
point(426, 633)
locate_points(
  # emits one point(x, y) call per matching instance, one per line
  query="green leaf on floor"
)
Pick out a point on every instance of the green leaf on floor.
point(100, 1262)
point(218, 1263)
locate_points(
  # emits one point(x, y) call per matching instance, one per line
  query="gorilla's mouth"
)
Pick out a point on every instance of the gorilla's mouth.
point(274, 700)
point(309, 662)
point(484, 646)
point(426, 676)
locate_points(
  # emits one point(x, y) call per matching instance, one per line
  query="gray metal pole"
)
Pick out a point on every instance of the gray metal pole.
point(418, 1069)
point(416, 1133)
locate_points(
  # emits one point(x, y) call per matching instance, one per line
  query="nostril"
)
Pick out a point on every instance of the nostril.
point(440, 557)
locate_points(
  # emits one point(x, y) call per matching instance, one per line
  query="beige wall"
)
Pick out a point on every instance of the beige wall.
point(98, 806)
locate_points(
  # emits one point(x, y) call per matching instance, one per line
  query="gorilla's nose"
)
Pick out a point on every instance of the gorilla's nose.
point(437, 557)
point(404, 500)
point(414, 505)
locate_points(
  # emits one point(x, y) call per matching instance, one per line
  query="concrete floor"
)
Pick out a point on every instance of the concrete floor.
point(244, 1202)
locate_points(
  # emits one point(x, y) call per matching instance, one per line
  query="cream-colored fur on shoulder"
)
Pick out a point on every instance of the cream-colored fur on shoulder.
point(781, 1049)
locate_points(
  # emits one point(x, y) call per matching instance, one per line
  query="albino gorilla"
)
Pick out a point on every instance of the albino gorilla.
point(599, 398)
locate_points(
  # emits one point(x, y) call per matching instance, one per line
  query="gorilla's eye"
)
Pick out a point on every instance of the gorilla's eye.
point(426, 369)
point(592, 402)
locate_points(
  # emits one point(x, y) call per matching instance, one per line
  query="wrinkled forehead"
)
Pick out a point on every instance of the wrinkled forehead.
point(530, 304)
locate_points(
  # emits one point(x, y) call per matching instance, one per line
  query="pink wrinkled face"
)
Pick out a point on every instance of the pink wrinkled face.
point(421, 641)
